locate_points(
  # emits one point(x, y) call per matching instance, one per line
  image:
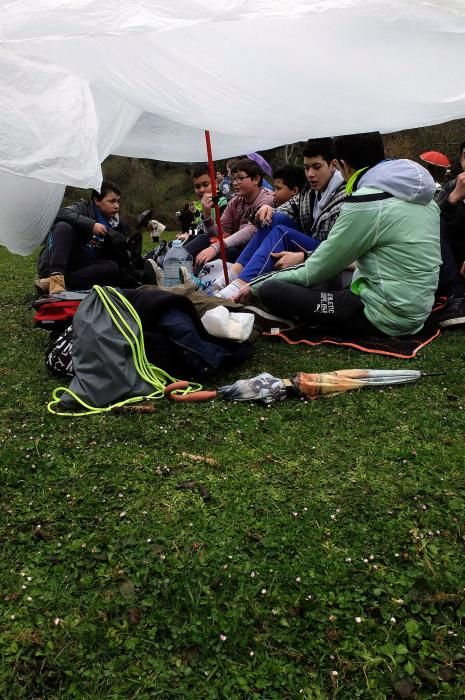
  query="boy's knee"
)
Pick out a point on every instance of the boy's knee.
point(111, 271)
point(63, 229)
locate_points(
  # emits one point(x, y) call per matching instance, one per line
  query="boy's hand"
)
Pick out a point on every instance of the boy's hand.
point(458, 193)
point(286, 259)
point(99, 229)
point(205, 256)
point(207, 204)
point(244, 295)
point(264, 214)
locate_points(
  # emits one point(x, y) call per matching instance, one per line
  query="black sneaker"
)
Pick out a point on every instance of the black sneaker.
point(453, 315)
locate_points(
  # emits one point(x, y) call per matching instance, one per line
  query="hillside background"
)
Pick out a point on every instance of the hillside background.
point(165, 187)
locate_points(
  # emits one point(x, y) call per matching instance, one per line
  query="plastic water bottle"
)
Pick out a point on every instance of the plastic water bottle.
point(176, 257)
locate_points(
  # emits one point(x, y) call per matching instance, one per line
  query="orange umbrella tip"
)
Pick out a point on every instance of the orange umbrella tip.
point(436, 158)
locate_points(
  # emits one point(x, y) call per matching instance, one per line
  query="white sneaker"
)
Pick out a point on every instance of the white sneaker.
point(153, 273)
point(184, 275)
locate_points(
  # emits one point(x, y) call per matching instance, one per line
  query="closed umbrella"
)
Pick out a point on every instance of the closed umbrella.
point(268, 389)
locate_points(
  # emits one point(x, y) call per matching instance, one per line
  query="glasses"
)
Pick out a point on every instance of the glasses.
point(239, 178)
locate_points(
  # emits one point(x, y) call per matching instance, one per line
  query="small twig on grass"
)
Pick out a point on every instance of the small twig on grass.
point(199, 458)
point(204, 492)
point(140, 409)
point(190, 485)
point(185, 485)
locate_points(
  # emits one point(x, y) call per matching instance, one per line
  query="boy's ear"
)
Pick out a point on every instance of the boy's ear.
point(344, 168)
point(295, 190)
point(333, 165)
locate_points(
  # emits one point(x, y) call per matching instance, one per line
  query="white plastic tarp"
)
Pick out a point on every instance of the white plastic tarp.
point(85, 78)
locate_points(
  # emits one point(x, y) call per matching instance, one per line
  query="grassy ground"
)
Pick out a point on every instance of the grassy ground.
point(327, 563)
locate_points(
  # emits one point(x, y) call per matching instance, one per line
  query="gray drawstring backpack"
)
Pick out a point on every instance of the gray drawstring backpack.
point(109, 361)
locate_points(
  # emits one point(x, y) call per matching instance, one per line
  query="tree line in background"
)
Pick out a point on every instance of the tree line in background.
point(164, 187)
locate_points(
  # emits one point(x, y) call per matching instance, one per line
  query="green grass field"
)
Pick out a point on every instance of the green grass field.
point(329, 561)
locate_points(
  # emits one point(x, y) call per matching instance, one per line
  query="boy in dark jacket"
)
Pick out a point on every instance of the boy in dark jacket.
point(86, 244)
point(451, 201)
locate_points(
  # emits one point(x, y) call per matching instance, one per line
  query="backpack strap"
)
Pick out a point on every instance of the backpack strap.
point(352, 185)
point(375, 197)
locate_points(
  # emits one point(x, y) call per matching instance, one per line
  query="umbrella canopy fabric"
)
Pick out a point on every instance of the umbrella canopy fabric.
point(264, 388)
point(85, 78)
point(436, 158)
point(330, 383)
point(260, 160)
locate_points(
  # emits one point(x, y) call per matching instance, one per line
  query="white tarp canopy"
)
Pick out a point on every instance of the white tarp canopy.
point(85, 78)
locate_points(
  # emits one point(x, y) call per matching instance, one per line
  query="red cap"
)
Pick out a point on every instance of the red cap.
point(436, 158)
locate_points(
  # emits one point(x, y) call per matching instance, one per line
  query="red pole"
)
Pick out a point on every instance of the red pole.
point(211, 170)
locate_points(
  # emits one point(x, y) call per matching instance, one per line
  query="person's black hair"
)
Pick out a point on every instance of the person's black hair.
point(360, 150)
point(200, 170)
point(231, 162)
point(250, 167)
point(455, 170)
point(437, 172)
point(291, 175)
point(462, 146)
point(107, 186)
point(319, 147)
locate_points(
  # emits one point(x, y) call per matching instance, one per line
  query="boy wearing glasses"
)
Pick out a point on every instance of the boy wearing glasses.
point(238, 218)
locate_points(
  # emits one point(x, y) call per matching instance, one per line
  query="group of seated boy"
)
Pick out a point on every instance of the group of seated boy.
point(352, 241)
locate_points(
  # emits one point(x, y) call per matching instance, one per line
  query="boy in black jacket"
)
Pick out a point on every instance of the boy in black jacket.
point(451, 201)
point(86, 244)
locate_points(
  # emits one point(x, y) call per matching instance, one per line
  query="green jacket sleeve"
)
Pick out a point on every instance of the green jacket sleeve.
point(350, 237)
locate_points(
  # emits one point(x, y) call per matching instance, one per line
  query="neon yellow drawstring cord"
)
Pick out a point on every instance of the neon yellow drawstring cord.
point(351, 181)
point(150, 373)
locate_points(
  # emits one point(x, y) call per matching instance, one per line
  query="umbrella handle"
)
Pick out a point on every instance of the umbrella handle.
point(194, 396)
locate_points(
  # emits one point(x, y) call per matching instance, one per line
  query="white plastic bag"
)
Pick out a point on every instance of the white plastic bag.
point(223, 323)
point(210, 273)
